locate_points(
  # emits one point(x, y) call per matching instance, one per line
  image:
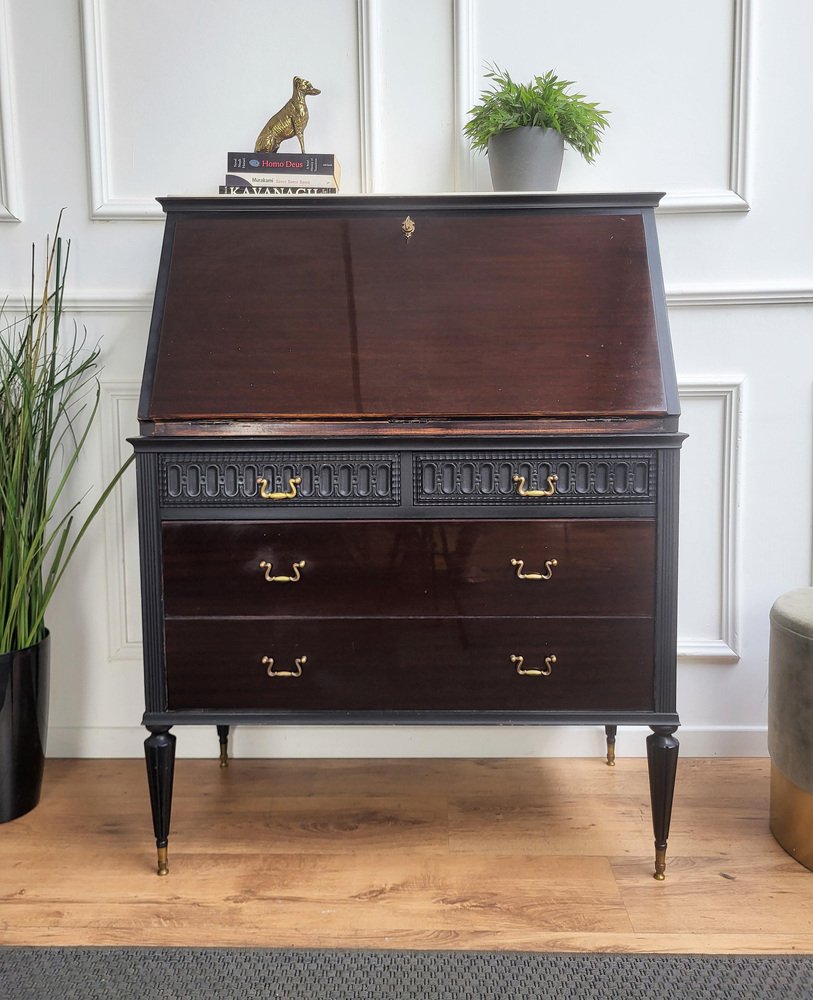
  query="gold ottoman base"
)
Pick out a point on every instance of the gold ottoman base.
point(792, 817)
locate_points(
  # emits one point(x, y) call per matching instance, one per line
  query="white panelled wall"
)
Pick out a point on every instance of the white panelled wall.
point(105, 104)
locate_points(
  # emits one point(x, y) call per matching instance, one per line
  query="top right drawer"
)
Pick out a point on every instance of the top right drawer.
point(530, 478)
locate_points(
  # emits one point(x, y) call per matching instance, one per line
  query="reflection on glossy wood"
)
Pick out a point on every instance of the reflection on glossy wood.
point(409, 568)
point(578, 282)
point(412, 664)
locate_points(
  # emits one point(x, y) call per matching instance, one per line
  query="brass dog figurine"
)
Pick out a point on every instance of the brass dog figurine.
point(289, 121)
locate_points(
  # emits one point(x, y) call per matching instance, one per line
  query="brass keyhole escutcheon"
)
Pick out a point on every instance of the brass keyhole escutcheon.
point(407, 228)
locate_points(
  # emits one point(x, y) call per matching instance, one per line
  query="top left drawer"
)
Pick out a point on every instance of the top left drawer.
point(278, 479)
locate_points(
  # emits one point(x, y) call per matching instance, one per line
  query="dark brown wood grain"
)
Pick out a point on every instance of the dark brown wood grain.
point(410, 568)
point(458, 428)
point(380, 664)
point(479, 314)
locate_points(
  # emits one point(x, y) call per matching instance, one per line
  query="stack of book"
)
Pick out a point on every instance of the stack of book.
point(281, 173)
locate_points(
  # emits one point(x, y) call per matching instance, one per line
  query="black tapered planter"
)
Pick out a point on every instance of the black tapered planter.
point(24, 682)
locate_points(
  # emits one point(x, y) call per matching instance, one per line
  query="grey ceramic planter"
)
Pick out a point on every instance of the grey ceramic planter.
point(526, 159)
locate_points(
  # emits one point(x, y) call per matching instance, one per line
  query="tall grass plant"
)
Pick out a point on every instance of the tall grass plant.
point(49, 397)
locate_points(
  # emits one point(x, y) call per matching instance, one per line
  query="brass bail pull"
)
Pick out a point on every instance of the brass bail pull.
point(533, 671)
point(268, 663)
point(519, 565)
point(523, 492)
point(295, 574)
point(289, 494)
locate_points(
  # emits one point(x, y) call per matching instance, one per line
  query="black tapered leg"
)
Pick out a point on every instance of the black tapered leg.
point(223, 736)
point(159, 751)
point(662, 755)
point(610, 732)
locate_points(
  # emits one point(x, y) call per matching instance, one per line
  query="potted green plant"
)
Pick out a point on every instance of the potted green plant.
point(523, 127)
point(49, 395)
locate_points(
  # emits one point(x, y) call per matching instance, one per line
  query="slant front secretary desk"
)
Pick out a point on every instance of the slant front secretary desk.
point(409, 460)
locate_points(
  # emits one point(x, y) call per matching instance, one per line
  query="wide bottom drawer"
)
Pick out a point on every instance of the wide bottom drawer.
point(381, 664)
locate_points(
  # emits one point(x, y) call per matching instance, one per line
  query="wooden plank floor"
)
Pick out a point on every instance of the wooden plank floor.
point(551, 855)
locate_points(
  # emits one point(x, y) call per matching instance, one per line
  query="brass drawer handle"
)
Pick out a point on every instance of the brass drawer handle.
point(268, 663)
point(296, 567)
point(288, 495)
point(522, 575)
point(534, 671)
point(520, 481)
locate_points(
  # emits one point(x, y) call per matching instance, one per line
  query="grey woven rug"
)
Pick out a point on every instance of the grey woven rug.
point(287, 974)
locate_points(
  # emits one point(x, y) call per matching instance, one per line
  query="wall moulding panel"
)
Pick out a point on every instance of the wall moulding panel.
point(676, 298)
point(730, 195)
point(371, 85)
point(711, 479)
point(109, 183)
point(118, 406)
point(10, 202)
point(684, 298)
point(406, 108)
point(735, 197)
point(90, 302)
point(466, 74)
point(146, 137)
point(103, 204)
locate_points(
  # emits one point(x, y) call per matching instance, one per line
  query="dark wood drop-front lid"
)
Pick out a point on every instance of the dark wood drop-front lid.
point(495, 307)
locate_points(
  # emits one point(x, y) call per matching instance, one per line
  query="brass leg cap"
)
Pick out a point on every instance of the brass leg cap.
point(660, 864)
point(163, 865)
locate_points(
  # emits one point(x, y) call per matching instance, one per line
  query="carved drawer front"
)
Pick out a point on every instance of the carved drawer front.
point(379, 664)
point(273, 480)
point(396, 568)
point(535, 479)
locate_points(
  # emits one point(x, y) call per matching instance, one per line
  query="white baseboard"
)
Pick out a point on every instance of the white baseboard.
point(429, 741)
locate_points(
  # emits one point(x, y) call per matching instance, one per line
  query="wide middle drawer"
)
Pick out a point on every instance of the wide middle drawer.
point(410, 568)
